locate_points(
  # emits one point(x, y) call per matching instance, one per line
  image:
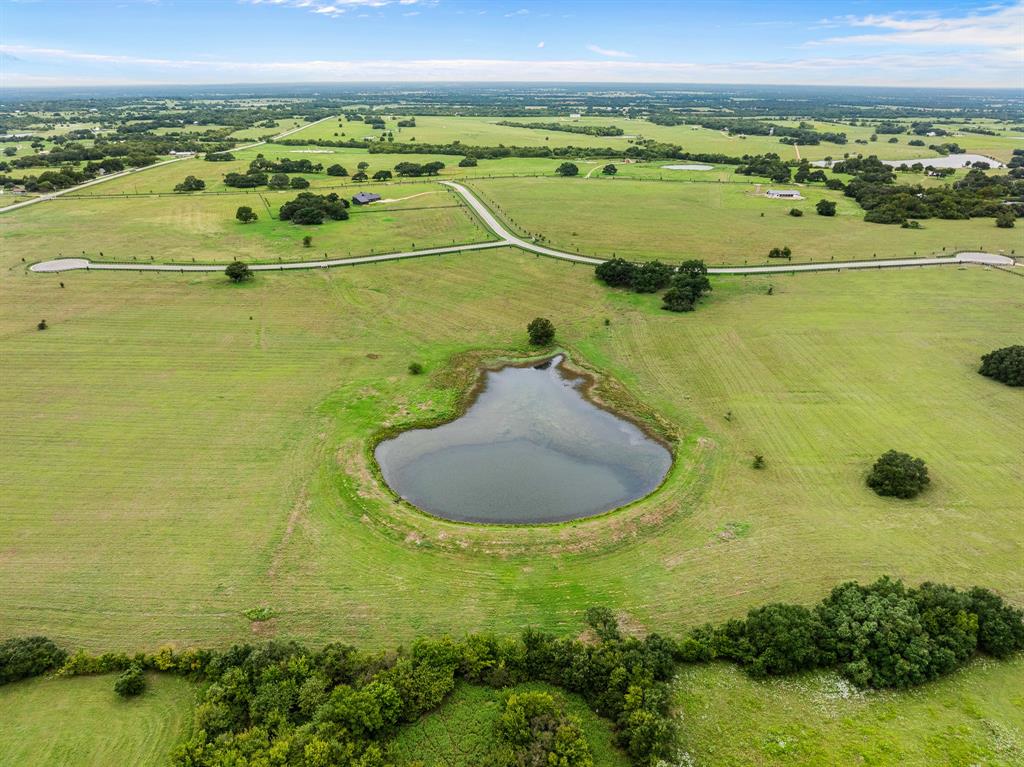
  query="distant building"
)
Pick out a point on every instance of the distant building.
point(364, 198)
point(784, 194)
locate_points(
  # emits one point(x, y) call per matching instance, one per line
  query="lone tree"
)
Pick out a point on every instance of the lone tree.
point(1005, 219)
point(245, 214)
point(382, 175)
point(898, 474)
point(609, 170)
point(190, 184)
point(360, 176)
point(1006, 365)
point(238, 271)
point(467, 162)
point(298, 182)
point(131, 682)
point(825, 208)
point(337, 170)
point(567, 169)
point(795, 212)
point(278, 181)
point(541, 331)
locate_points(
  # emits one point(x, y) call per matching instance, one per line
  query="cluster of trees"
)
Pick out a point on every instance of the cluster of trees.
point(586, 130)
point(767, 165)
point(976, 195)
point(283, 165)
point(898, 475)
point(883, 635)
point(25, 657)
point(534, 730)
point(190, 184)
point(246, 180)
point(309, 208)
point(1005, 365)
point(685, 283)
point(416, 169)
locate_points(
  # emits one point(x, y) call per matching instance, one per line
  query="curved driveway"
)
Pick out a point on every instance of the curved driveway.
point(508, 239)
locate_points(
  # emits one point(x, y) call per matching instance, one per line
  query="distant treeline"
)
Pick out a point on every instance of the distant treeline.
point(805, 134)
point(587, 130)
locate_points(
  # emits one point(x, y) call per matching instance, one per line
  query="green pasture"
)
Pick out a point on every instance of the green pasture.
point(203, 228)
point(974, 717)
point(718, 222)
point(181, 450)
point(81, 722)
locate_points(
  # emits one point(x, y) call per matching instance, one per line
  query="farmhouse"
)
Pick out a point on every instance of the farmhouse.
point(363, 198)
point(784, 194)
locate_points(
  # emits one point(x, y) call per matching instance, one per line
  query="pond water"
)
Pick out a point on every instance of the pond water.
point(531, 448)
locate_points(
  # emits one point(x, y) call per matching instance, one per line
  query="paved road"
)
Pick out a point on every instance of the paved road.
point(505, 239)
point(120, 174)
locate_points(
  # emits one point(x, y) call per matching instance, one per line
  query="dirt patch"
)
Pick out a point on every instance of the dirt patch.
point(264, 629)
point(353, 461)
point(373, 356)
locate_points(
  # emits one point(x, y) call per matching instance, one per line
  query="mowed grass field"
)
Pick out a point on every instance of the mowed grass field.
point(461, 732)
point(720, 223)
point(974, 717)
point(181, 449)
point(485, 131)
point(203, 229)
point(81, 722)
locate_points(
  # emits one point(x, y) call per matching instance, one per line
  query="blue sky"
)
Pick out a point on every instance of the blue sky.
point(856, 42)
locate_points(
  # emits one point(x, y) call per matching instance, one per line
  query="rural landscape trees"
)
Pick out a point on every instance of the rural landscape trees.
point(898, 474)
point(238, 271)
point(245, 214)
point(1005, 365)
point(541, 331)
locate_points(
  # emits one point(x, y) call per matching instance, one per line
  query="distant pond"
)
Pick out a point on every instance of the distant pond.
point(530, 449)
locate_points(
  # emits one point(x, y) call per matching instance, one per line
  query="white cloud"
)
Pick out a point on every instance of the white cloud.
point(995, 26)
point(979, 69)
point(520, 12)
point(608, 52)
point(331, 7)
point(540, 44)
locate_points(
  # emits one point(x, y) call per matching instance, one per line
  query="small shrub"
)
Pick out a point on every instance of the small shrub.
point(541, 331)
point(259, 614)
point(131, 682)
point(467, 162)
point(898, 475)
point(1006, 365)
point(415, 368)
point(1005, 219)
point(758, 462)
point(784, 252)
point(609, 170)
point(307, 241)
point(238, 271)
point(825, 208)
point(41, 325)
point(602, 621)
point(795, 212)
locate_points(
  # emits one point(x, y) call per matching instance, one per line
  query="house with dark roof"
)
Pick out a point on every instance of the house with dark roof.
point(363, 198)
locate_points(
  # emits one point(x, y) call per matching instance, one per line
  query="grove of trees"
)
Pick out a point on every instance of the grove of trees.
point(1005, 365)
point(312, 209)
point(686, 283)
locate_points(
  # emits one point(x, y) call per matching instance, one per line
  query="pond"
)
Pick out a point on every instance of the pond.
point(530, 449)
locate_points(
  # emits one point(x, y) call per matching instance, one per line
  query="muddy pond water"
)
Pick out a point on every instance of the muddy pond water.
point(530, 449)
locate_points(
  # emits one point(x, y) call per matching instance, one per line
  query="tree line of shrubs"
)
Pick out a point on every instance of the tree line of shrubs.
point(685, 284)
point(586, 130)
point(340, 706)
